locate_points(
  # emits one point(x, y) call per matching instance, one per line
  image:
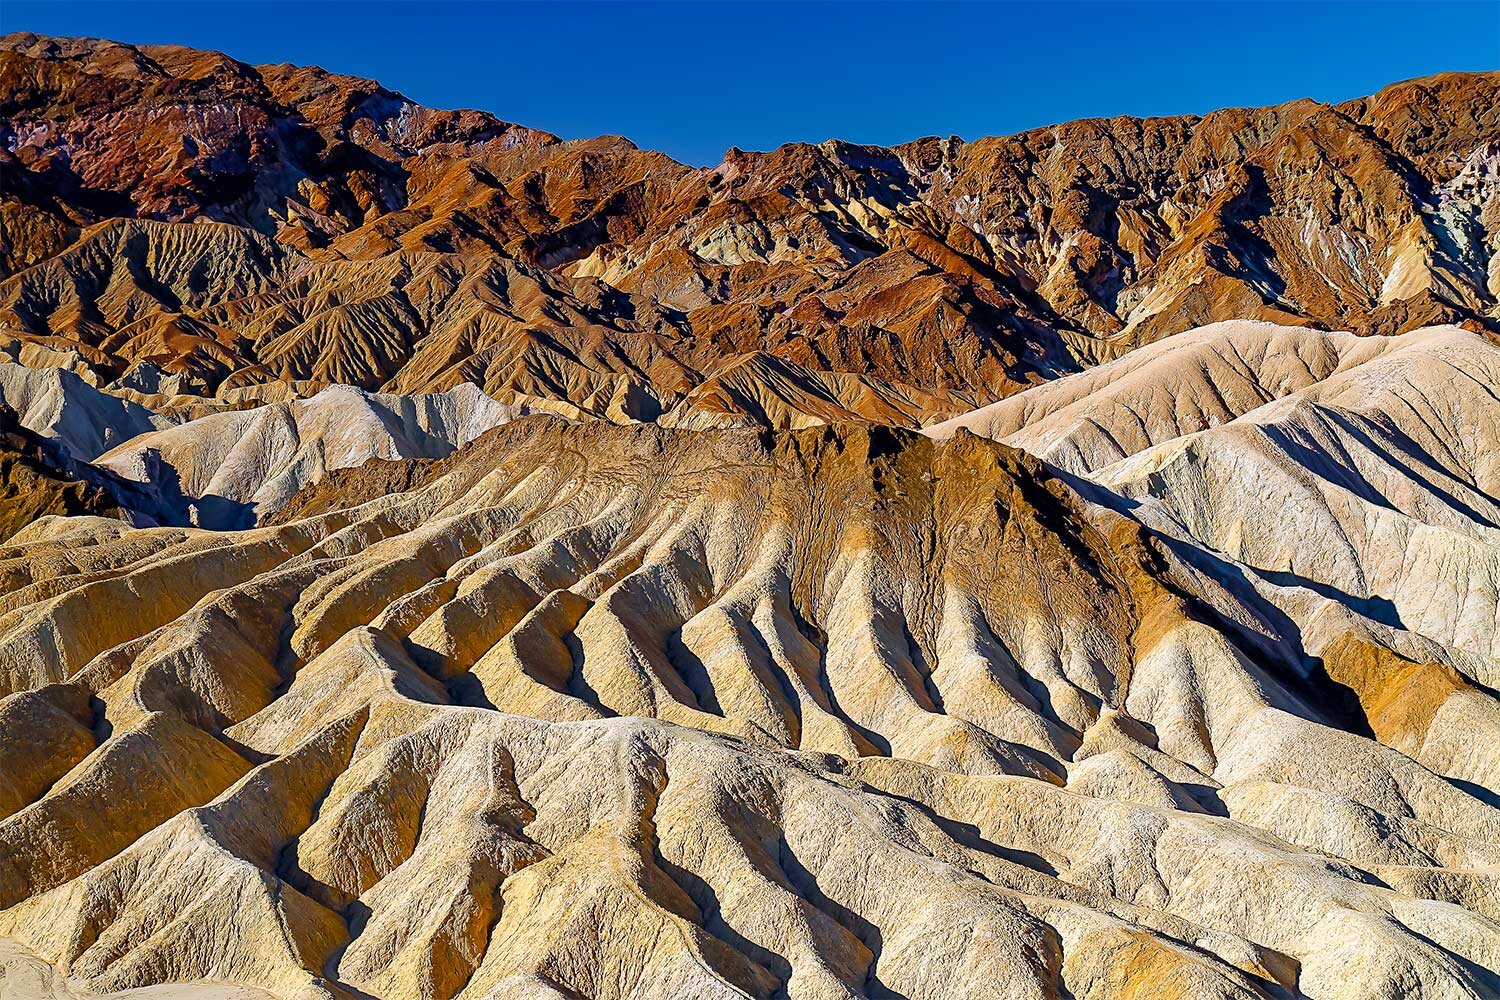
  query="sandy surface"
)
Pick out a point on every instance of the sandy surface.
point(23, 976)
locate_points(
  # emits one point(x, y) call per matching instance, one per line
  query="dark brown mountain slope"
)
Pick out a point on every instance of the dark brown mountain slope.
point(390, 245)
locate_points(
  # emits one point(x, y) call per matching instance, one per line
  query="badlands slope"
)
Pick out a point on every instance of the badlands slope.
point(228, 469)
point(600, 710)
point(439, 560)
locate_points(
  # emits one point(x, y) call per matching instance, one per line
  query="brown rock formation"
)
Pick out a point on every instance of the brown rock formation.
point(33, 485)
point(593, 274)
point(598, 622)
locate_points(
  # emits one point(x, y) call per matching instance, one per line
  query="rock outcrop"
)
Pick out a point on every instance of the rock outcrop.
point(35, 484)
point(81, 420)
point(226, 470)
point(443, 562)
point(176, 217)
point(612, 711)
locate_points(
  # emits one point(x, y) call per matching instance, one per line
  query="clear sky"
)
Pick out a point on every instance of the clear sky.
point(693, 79)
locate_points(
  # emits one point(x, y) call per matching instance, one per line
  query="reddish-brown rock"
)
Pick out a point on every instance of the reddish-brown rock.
point(394, 246)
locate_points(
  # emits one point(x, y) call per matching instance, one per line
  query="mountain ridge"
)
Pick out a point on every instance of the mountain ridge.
point(740, 679)
point(962, 271)
point(443, 561)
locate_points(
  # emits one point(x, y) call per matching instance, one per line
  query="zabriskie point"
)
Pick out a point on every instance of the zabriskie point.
point(441, 560)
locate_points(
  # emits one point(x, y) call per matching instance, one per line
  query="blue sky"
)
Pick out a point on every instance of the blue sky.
point(693, 79)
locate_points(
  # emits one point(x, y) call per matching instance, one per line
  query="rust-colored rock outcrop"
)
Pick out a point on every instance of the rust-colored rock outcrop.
point(370, 241)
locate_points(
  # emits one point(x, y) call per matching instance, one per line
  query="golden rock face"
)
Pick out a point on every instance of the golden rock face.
point(614, 711)
point(442, 561)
